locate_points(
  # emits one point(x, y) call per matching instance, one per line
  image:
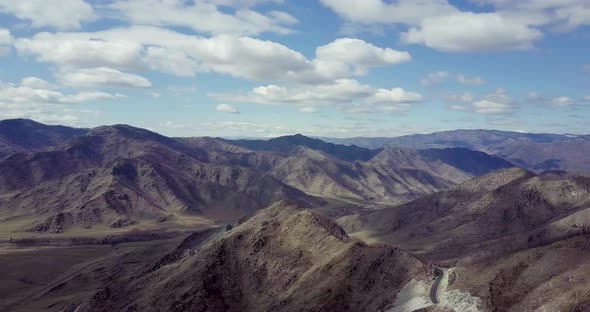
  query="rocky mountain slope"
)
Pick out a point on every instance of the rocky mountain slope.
point(514, 238)
point(550, 277)
point(122, 178)
point(532, 151)
point(492, 215)
point(374, 176)
point(119, 176)
point(282, 259)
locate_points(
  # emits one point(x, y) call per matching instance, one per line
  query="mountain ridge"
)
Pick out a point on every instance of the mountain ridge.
point(401, 176)
point(122, 177)
point(536, 152)
point(25, 136)
point(493, 214)
point(285, 145)
point(282, 258)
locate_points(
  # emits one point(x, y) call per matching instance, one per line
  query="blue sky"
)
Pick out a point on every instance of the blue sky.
point(339, 68)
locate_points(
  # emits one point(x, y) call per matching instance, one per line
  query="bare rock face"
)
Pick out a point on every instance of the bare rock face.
point(281, 259)
point(53, 224)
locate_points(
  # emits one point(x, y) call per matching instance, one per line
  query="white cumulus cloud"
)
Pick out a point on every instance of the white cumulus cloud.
point(167, 51)
point(6, 41)
point(562, 101)
point(438, 24)
point(349, 55)
point(435, 78)
point(203, 16)
point(462, 79)
point(60, 14)
point(384, 12)
point(43, 101)
point(491, 107)
point(395, 96)
point(28, 93)
point(344, 94)
point(495, 103)
point(226, 108)
point(37, 83)
point(562, 14)
point(468, 31)
point(101, 77)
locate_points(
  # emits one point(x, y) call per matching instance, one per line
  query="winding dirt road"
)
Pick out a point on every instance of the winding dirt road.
point(440, 274)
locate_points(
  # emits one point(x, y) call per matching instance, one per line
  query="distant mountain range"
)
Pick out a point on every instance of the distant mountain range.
point(352, 173)
point(289, 144)
point(121, 177)
point(532, 151)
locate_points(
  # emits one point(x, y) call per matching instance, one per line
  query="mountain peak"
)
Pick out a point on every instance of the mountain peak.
point(131, 132)
point(26, 135)
point(19, 121)
point(297, 137)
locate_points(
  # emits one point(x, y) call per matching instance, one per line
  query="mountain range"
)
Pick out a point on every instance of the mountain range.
point(536, 152)
point(119, 176)
point(353, 173)
point(122, 177)
point(289, 224)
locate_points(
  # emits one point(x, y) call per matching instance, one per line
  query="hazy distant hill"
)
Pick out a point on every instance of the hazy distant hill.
point(531, 151)
point(289, 144)
point(24, 135)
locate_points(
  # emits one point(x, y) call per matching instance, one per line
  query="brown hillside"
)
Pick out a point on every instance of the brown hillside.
point(282, 259)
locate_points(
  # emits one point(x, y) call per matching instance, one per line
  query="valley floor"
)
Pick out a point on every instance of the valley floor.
point(49, 278)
